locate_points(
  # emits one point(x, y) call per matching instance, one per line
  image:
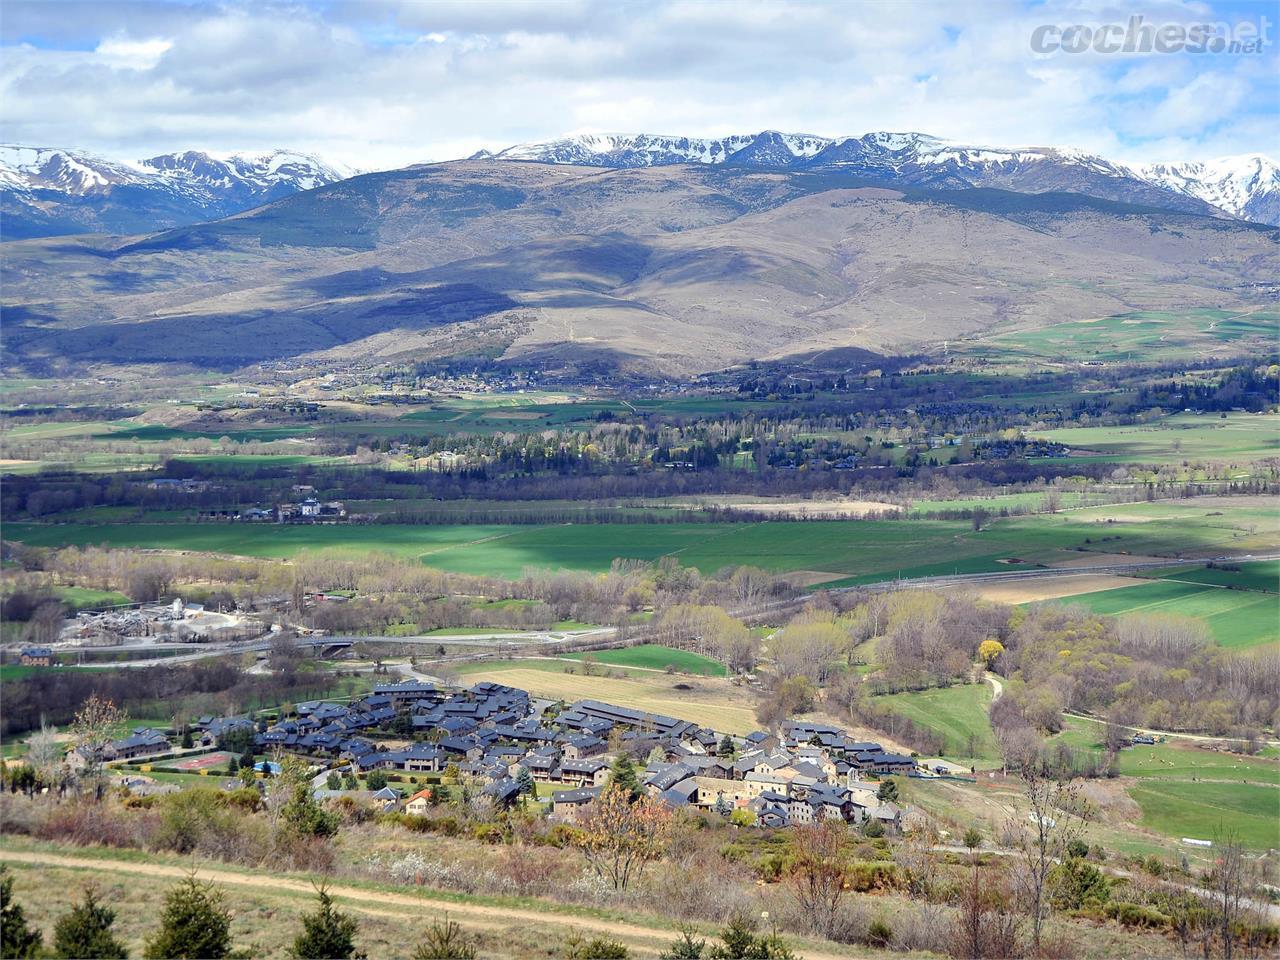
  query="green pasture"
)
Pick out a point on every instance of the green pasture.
point(853, 550)
point(1174, 760)
point(1237, 437)
point(655, 657)
point(1209, 811)
point(1262, 575)
point(959, 714)
point(1140, 335)
point(1235, 618)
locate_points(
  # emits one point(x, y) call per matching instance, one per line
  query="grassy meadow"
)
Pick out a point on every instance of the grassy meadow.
point(1236, 437)
point(1146, 335)
point(1235, 618)
point(849, 551)
point(958, 714)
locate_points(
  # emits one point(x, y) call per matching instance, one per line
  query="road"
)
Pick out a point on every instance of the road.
point(1171, 734)
point(205, 650)
point(538, 637)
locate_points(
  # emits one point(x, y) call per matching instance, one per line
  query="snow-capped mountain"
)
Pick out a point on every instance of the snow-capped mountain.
point(1245, 187)
point(47, 191)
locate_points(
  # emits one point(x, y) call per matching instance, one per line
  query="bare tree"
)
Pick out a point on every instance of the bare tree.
point(1228, 888)
point(819, 873)
point(44, 754)
point(1054, 823)
point(93, 728)
point(620, 838)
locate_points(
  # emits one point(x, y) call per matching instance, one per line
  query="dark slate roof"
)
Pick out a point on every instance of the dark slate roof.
point(585, 795)
point(668, 776)
point(583, 766)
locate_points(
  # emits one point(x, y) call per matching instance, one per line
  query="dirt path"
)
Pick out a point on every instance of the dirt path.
point(374, 902)
point(997, 687)
point(1172, 735)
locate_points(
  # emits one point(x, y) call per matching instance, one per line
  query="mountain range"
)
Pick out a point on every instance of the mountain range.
point(662, 270)
point(1246, 186)
point(52, 192)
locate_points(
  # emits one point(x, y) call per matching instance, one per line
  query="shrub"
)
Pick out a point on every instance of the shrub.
point(445, 941)
point(865, 876)
point(1136, 915)
point(879, 934)
point(599, 948)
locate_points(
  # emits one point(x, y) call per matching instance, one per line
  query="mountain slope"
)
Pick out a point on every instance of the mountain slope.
point(51, 192)
point(660, 270)
point(1246, 187)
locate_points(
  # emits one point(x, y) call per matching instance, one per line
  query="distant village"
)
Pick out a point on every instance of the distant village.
point(503, 740)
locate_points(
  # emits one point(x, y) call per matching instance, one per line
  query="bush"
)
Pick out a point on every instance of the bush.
point(1136, 915)
point(879, 934)
point(865, 876)
point(600, 948)
point(445, 941)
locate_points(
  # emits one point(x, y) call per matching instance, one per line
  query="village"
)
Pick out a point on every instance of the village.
point(513, 748)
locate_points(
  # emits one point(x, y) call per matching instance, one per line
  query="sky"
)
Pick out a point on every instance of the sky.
point(378, 84)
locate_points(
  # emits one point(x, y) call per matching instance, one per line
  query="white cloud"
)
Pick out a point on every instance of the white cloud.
point(382, 83)
point(123, 53)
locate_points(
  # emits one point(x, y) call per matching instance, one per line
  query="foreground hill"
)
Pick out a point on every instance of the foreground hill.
point(665, 270)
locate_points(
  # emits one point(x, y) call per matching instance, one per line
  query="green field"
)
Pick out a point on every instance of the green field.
point(83, 598)
point(1206, 811)
point(958, 713)
point(1170, 761)
point(634, 661)
point(1140, 335)
point(1237, 437)
point(1235, 618)
point(853, 550)
point(655, 657)
point(1263, 576)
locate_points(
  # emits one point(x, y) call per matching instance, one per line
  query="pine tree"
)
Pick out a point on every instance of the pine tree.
point(187, 742)
point(623, 774)
point(524, 780)
point(333, 781)
point(304, 815)
point(376, 780)
point(16, 938)
point(195, 923)
point(445, 941)
point(726, 746)
point(327, 934)
point(85, 932)
point(888, 791)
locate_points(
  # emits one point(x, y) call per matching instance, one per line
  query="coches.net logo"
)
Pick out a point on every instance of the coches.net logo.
point(1139, 36)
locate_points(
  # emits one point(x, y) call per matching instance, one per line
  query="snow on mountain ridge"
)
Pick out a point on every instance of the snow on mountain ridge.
point(25, 168)
point(1247, 186)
